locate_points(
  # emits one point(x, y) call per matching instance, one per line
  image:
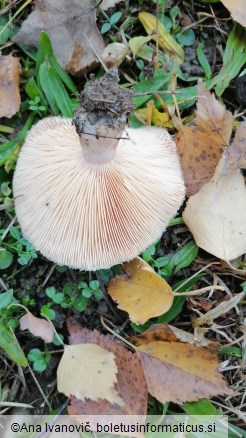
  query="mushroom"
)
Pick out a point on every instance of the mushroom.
point(97, 193)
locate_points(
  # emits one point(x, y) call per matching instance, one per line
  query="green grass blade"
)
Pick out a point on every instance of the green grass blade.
point(63, 75)
point(47, 87)
point(45, 50)
point(59, 93)
point(9, 343)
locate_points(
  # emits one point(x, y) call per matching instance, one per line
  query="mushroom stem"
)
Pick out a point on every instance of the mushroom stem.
point(102, 117)
point(99, 135)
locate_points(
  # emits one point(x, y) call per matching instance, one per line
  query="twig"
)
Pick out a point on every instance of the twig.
point(96, 52)
point(147, 93)
point(198, 291)
point(38, 386)
point(105, 296)
point(3, 284)
point(15, 405)
point(197, 273)
point(8, 227)
point(48, 275)
point(129, 344)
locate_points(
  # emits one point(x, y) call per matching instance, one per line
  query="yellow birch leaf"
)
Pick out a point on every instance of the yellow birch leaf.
point(88, 371)
point(165, 39)
point(141, 293)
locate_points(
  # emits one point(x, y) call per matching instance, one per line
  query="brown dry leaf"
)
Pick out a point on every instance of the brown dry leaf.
point(200, 148)
point(199, 304)
point(37, 326)
point(88, 371)
point(180, 372)
point(237, 10)
point(106, 4)
point(9, 86)
point(199, 155)
point(141, 293)
point(234, 157)
point(130, 386)
point(167, 333)
point(72, 30)
point(212, 117)
point(216, 216)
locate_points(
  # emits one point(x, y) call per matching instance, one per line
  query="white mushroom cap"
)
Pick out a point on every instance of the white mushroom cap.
point(88, 215)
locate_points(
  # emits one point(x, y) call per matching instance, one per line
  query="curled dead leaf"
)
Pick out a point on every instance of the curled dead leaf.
point(37, 326)
point(141, 293)
point(212, 117)
point(136, 43)
point(114, 54)
point(234, 156)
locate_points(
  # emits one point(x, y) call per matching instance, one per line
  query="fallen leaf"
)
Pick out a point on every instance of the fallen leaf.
point(9, 86)
point(199, 155)
point(167, 333)
point(200, 148)
point(141, 293)
point(72, 30)
point(212, 117)
point(220, 309)
point(130, 386)
point(201, 303)
point(114, 54)
point(37, 326)
point(158, 118)
point(234, 157)
point(165, 39)
point(106, 4)
point(216, 216)
point(179, 372)
point(136, 43)
point(88, 371)
point(237, 10)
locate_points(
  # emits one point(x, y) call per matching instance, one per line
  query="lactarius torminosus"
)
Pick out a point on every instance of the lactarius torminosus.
point(91, 192)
